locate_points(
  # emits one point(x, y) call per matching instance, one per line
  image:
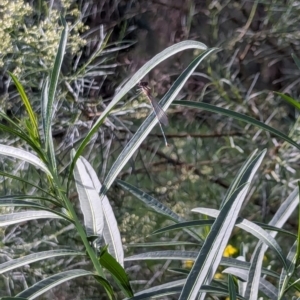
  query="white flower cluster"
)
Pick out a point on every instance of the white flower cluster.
point(30, 38)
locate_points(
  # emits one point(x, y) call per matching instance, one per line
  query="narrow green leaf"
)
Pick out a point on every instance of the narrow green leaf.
point(96, 53)
point(150, 201)
point(254, 274)
point(21, 203)
point(16, 130)
point(46, 284)
point(35, 257)
point(13, 298)
point(117, 271)
point(146, 68)
point(24, 155)
point(264, 286)
point(286, 275)
point(241, 177)
point(289, 100)
point(166, 254)
point(51, 95)
point(237, 263)
point(252, 228)
point(89, 199)
point(231, 288)
point(54, 77)
point(4, 174)
point(111, 233)
point(285, 210)
point(168, 289)
point(237, 116)
point(275, 229)
point(298, 235)
point(33, 129)
point(14, 218)
point(214, 213)
point(212, 250)
point(179, 271)
point(44, 105)
point(214, 245)
point(183, 225)
point(155, 205)
point(162, 244)
point(160, 291)
point(192, 255)
point(106, 285)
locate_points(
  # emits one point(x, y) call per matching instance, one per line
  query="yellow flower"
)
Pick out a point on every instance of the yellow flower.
point(218, 276)
point(188, 264)
point(230, 250)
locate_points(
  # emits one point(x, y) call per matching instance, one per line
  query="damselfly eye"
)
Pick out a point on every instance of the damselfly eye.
point(143, 85)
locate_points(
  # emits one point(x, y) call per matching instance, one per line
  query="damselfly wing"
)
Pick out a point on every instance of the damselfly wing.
point(160, 114)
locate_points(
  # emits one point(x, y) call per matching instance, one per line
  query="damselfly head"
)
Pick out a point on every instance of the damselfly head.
point(144, 86)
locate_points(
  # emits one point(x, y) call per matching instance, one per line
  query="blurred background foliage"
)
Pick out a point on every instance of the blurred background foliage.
point(109, 41)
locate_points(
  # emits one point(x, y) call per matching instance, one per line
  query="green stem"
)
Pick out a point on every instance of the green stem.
point(80, 230)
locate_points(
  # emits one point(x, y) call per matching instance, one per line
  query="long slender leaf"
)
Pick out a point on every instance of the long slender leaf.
point(21, 203)
point(237, 116)
point(285, 210)
point(14, 218)
point(239, 179)
point(231, 288)
point(89, 199)
point(44, 105)
point(162, 244)
point(24, 155)
point(111, 231)
point(13, 298)
point(202, 271)
point(49, 101)
point(298, 235)
point(166, 254)
point(16, 130)
point(252, 228)
point(33, 120)
point(4, 174)
point(192, 255)
point(254, 274)
point(287, 274)
point(150, 201)
point(211, 253)
point(32, 258)
point(201, 223)
point(131, 83)
point(33, 199)
point(117, 271)
point(279, 219)
point(55, 280)
point(266, 287)
point(156, 205)
point(54, 80)
point(244, 265)
point(183, 225)
point(161, 291)
point(289, 100)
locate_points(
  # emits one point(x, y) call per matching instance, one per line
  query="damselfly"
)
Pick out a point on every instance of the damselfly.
point(160, 114)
